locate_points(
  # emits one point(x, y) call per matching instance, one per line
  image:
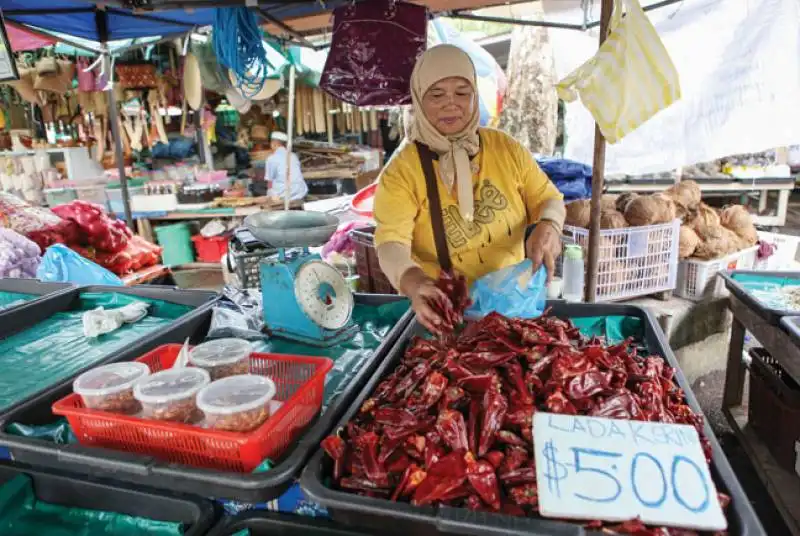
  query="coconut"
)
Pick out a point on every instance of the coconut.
point(624, 199)
point(666, 212)
point(608, 202)
point(642, 211)
point(704, 221)
point(612, 219)
point(721, 242)
point(737, 219)
point(686, 194)
point(578, 213)
point(688, 242)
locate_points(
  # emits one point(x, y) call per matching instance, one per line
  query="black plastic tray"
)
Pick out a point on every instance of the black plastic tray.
point(60, 488)
point(29, 314)
point(380, 514)
point(137, 469)
point(770, 314)
point(263, 523)
point(31, 286)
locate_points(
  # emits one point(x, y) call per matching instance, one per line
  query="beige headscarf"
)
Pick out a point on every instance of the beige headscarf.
point(435, 64)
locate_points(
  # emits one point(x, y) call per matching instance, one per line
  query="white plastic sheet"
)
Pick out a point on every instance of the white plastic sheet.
point(740, 79)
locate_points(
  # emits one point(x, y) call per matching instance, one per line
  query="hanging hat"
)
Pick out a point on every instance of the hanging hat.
point(236, 100)
point(192, 82)
point(279, 136)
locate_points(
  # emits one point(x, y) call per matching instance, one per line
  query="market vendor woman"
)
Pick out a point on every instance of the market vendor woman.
point(490, 190)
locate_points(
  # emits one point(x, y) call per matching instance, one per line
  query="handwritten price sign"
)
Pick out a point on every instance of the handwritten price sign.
point(614, 470)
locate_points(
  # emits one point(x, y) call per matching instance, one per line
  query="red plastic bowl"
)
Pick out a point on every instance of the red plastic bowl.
point(361, 203)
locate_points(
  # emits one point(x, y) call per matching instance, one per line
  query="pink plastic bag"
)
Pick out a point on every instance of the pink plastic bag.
point(85, 79)
point(362, 67)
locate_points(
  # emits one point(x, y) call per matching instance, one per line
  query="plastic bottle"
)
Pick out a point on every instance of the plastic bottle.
point(573, 273)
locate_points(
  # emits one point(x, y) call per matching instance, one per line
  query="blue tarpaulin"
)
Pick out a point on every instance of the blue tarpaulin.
point(84, 19)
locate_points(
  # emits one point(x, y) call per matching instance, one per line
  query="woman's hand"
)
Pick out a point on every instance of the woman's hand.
point(544, 246)
point(424, 296)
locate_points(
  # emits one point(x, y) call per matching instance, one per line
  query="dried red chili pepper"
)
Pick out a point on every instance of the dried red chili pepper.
point(411, 480)
point(588, 384)
point(557, 402)
point(474, 502)
point(482, 478)
point(510, 438)
point(453, 398)
point(485, 360)
point(473, 430)
point(455, 370)
point(368, 444)
point(477, 383)
point(523, 475)
point(452, 429)
point(407, 385)
point(494, 410)
point(432, 390)
point(515, 377)
point(511, 509)
point(395, 417)
point(526, 494)
point(495, 457)
point(433, 488)
point(397, 462)
point(619, 406)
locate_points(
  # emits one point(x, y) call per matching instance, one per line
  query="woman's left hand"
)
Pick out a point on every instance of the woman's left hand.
point(544, 246)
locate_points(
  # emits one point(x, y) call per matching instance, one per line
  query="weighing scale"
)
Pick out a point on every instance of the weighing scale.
point(305, 299)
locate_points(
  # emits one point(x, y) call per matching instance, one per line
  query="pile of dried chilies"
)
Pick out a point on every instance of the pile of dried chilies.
point(452, 424)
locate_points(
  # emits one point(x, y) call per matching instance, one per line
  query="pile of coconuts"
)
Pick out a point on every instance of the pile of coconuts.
point(705, 232)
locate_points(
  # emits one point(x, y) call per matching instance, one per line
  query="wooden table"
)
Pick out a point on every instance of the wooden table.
point(147, 275)
point(782, 485)
point(144, 220)
point(725, 186)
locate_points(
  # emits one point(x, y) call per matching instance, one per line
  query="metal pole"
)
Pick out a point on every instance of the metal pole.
point(598, 171)
point(290, 135)
point(113, 121)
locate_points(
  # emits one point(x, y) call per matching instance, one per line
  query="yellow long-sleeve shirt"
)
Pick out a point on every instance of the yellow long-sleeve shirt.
point(510, 192)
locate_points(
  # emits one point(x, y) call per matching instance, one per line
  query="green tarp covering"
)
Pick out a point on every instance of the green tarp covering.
point(21, 514)
point(614, 328)
point(56, 348)
point(374, 324)
point(11, 299)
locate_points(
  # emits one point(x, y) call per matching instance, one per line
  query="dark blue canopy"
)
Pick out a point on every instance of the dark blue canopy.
point(84, 19)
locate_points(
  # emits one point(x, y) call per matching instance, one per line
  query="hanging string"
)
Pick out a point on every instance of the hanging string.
point(239, 47)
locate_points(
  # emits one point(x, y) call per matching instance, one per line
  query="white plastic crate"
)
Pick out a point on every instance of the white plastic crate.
point(697, 280)
point(783, 256)
point(633, 261)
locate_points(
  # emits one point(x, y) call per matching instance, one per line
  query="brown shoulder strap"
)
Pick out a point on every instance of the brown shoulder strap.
point(435, 205)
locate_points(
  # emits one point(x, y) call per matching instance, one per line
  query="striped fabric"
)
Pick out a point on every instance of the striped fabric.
point(629, 79)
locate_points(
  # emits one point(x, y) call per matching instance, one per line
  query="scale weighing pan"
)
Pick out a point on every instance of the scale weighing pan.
point(293, 228)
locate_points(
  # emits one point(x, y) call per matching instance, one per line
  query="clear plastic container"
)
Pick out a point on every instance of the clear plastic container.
point(572, 287)
point(170, 395)
point(238, 403)
point(110, 387)
point(222, 357)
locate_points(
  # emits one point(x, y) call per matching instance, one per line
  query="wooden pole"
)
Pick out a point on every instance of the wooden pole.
point(287, 195)
point(598, 172)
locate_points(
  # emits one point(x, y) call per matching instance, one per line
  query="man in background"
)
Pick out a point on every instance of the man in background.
point(276, 175)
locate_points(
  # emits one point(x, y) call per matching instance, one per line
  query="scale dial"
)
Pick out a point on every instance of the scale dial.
point(323, 295)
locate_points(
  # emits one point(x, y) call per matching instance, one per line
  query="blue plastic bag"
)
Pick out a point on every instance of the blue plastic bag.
point(513, 291)
point(61, 264)
point(573, 179)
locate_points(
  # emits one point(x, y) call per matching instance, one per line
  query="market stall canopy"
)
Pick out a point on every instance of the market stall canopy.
point(80, 19)
point(22, 39)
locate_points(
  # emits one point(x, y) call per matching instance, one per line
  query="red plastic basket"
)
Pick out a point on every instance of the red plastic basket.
point(300, 383)
point(211, 248)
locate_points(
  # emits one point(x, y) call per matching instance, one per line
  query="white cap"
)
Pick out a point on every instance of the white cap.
point(279, 136)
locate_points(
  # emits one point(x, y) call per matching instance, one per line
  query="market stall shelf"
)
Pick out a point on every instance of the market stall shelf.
point(377, 514)
point(781, 484)
point(191, 516)
point(250, 487)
